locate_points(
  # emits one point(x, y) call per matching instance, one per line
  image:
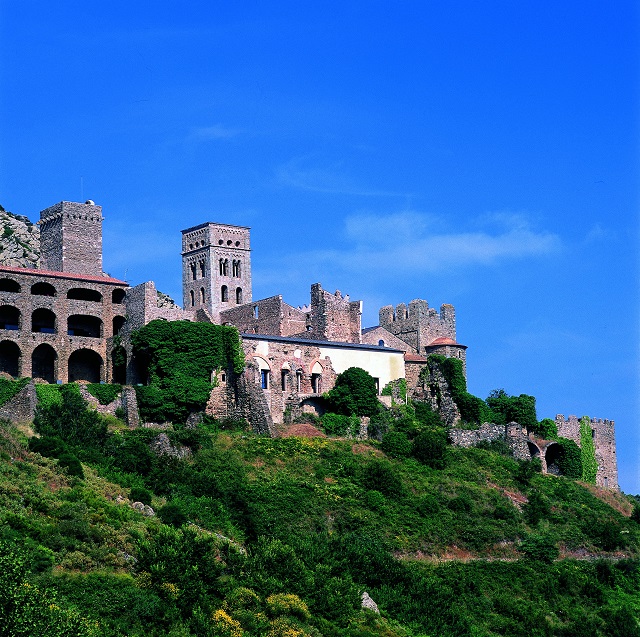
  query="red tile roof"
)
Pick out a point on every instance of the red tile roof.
point(63, 275)
point(414, 358)
point(444, 340)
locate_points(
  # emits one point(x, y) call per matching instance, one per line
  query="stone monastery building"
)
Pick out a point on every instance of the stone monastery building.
point(68, 321)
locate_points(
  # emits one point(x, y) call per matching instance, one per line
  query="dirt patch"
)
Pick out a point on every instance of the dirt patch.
point(303, 430)
point(360, 449)
point(614, 499)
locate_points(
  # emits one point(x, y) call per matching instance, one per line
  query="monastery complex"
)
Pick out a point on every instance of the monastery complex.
point(67, 321)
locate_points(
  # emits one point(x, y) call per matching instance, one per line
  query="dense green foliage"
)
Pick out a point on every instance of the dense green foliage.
point(9, 388)
point(48, 395)
point(263, 537)
point(354, 394)
point(546, 429)
point(105, 393)
point(570, 462)
point(588, 449)
point(180, 358)
point(506, 409)
point(340, 425)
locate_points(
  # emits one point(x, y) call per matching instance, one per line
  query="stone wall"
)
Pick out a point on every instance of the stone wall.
point(268, 316)
point(334, 317)
point(435, 390)
point(513, 434)
point(22, 407)
point(603, 433)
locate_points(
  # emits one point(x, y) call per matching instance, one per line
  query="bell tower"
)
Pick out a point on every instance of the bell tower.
point(216, 267)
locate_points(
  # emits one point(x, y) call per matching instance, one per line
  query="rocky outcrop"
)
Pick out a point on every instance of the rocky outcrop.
point(19, 241)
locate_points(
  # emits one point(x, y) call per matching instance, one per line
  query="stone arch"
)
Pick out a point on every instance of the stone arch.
point(202, 296)
point(43, 320)
point(316, 377)
point(44, 363)
point(315, 405)
point(238, 296)
point(9, 285)
point(84, 325)
point(117, 296)
point(43, 289)
point(534, 450)
point(84, 294)
point(9, 318)
point(553, 456)
point(118, 323)
point(85, 364)
point(10, 358)
point(224, 293)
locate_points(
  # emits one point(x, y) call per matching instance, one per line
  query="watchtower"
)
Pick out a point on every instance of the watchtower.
point(71, 238)
point(216, 267)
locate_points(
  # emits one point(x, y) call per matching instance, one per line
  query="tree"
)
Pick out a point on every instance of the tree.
point(354, 393)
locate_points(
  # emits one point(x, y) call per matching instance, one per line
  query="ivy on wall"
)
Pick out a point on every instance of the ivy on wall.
point(588, 448)
point(179, 358)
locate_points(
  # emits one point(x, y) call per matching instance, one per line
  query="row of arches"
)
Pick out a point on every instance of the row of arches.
point(45, 321)
point(82, 364)
point(290, 379)
point(200, 267)
point(78, 294)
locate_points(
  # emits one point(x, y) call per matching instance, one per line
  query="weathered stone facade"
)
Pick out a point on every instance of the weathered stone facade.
point(603, 434)
point(513, 434)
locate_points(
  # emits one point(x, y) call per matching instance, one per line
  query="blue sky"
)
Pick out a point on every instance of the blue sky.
point(480, 154)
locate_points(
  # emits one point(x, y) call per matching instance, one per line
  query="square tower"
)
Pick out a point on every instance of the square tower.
point(216, 267)
point(71, 238)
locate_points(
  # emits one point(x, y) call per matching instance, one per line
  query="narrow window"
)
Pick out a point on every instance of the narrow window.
point(192, 296)
point(316, 383)
point(221, 265)
point(255, 311)
point(202, 296)
point(225, 267)
point(381, 343)
point(224, 293)
point(264, 378)
point(193, 271)
point(239, 296)
point(236, 268)
point(298, 381)
point(283, 378)
point(203, 269)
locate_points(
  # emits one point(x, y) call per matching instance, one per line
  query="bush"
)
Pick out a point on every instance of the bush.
point(546, 429)
point(103, 392)
point(536, 508)
point(9, 388)
point(526, 470)
point(172, 514)
point(380, 476)
point(426, 416)
point(570, 461)
point(340, 425)
point(354, 393)
point(396, 444)
point(71, 463)
point(138, 494)
point(430, 448)
point(497, 446)
point(540, 549)
point(49, 446)
point(287, 604)
point(520, 409)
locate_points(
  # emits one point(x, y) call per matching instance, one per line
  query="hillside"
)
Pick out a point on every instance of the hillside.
point(259, 536)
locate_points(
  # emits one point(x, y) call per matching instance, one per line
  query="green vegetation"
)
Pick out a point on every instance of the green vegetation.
point(588, 449)
point(9, 388)
point(103, 392)
point(181, 358)
point(354, 394)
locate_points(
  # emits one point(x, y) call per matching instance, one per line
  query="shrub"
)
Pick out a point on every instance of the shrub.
point(287, 604)
point(396, 444)
point(536, 508)
point(588, 451)
point(546, 429)
point(539, 548)
point(380, 476)
point(497, 446)
point(570, 461)
point(9, 388)
point(138, 494)
point(49, 446)
point(526, 470)
point(426, 416)
point(104, 393)
point(430, 448)
point(172, 514)
point(520, 409)
point(340, 425)
point(354, 393)
point(71, 463)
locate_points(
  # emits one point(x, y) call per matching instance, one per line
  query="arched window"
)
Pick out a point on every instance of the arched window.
point(193, 271)
point(298, 381)
point(381, 343)
point(316, 378)
point(85, 364)
point(44, 363)
point(236, 268)
point(224, 293)
point(221, 266)
point(9, 285)
point(225, 267)
point(9, 318)
point(43, 321)
point(10, 358)
point(84, 325)
point(43, 289)
point(84, 294)
point(255, 311)
point(203, 269)
point(202, 296)
point(192, 298)
point(239, 296)
point(117, 296)
point(118, 324)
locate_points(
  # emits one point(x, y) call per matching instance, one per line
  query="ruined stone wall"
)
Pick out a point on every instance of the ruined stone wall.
point(269, 316)
point(71, 238)
point(333, 317)
point(603, 433)
point(22, 407)
point(418, 325)
point(435, 390)
point(513, 434)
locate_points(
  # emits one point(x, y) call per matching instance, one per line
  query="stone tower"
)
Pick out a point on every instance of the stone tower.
point(71, 238)
point(216, 267)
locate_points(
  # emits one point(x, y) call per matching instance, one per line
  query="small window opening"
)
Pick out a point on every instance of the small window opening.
point(298, 381)
point(283, 379)
point(192, 298)
point(264, 378)
point(224, 293)
point(202, 296)
point(203, 269)
point(255, 311)
point(193, 271)
point(381, 343)
point(316, 383)
point(239, 296)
